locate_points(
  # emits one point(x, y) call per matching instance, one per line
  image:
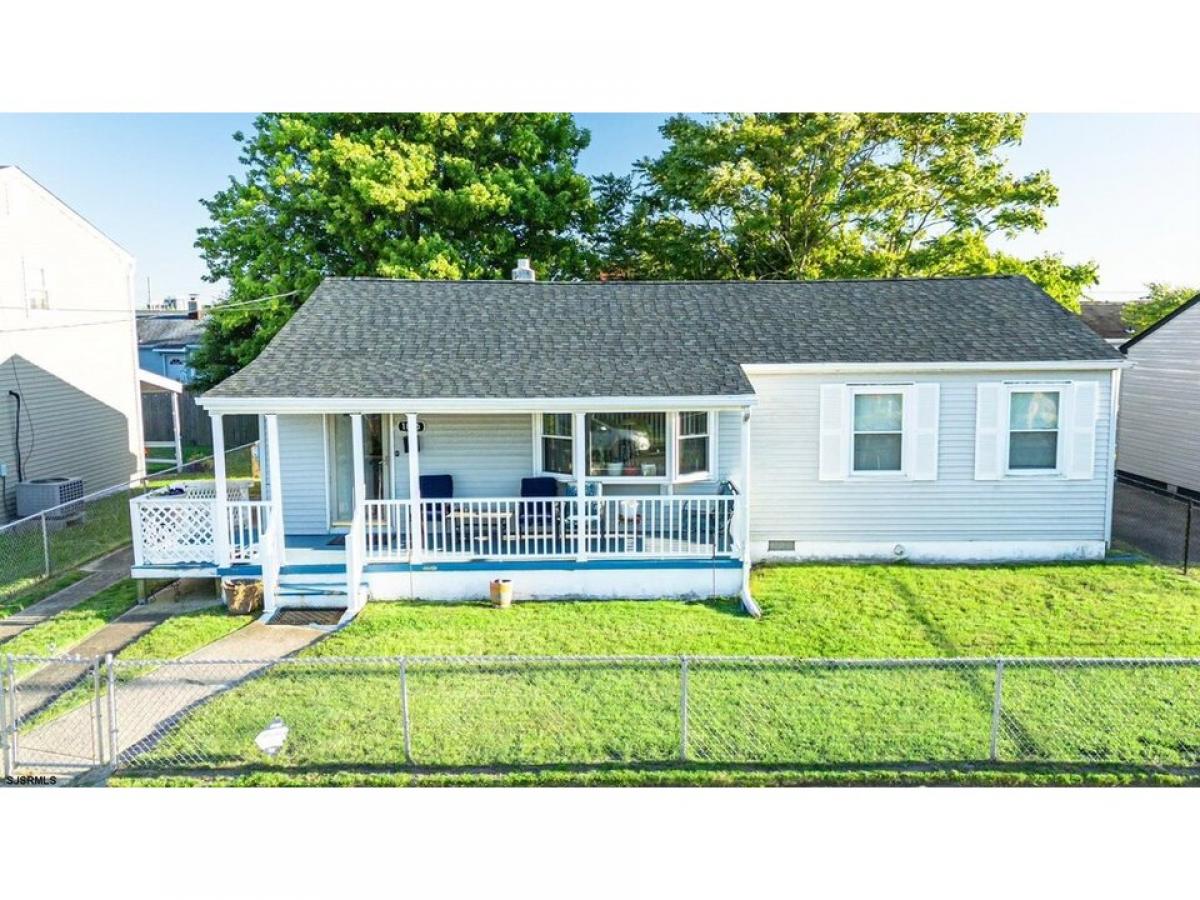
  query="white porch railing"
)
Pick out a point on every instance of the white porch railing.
point(178, 530)
point(386, 531)
point(693, 526)
point(172, 529)
point(247, 522)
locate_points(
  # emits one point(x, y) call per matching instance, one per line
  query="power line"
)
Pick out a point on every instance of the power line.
point(216, 307)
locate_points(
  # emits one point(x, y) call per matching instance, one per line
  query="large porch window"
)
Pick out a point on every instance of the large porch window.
point(643, 446)
point(627, 445)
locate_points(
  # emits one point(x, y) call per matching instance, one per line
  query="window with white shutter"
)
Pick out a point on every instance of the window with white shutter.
point(834, 426)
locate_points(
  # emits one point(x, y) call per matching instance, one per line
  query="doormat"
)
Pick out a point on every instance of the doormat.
point(325, 616)
point(338, 540)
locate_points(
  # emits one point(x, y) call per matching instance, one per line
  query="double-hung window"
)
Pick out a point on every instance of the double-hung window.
point(557, 444)
point(1033, 418)
point(694, 453)
point(878, 431)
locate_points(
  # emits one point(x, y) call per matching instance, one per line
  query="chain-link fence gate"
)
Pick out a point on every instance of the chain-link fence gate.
point(324, 713)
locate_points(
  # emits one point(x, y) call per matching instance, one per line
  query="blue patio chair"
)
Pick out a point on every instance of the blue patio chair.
point(437, 487)
point(538, 518)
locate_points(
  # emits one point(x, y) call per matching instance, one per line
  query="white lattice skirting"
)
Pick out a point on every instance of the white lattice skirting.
point(175, 531)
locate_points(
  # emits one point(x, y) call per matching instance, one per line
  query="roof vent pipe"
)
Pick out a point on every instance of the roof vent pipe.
point(523, 272)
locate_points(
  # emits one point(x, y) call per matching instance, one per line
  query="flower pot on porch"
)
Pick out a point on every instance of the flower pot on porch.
point(502, 593)
point(615, 468)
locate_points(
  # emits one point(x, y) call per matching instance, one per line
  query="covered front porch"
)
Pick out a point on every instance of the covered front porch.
point(433, 503)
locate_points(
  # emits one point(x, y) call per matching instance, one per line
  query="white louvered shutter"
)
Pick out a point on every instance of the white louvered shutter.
point(1079, 430)
point(989, 430)
point(924, 423)
point(835, 432)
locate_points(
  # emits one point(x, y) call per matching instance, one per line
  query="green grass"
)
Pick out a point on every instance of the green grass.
point(468, 720)
point(1109, 609)
point(62, 632)
point(40, 591)
point(171, 639)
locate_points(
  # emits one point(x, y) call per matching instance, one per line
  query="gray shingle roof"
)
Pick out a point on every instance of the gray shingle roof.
point(491, 339)
point(168, 330)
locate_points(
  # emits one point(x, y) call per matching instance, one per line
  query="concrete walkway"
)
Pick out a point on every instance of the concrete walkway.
point(104, 572)
point(146, 707)
point(42, 687)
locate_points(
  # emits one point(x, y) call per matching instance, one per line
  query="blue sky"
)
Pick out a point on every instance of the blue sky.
point(1129, 184)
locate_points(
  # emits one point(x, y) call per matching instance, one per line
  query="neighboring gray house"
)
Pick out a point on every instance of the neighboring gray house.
point(629, 439)
point(1159, 428)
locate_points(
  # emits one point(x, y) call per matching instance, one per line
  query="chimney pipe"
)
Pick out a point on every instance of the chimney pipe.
point(523, 272)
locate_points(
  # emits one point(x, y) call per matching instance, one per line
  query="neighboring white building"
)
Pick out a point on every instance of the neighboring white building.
point(648, 439)
point(1159, 427)
point(68, 345)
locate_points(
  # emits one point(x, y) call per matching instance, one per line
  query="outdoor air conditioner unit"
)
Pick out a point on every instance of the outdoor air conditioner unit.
point(59, 498)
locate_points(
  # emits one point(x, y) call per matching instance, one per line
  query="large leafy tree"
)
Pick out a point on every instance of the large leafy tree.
point(1160, 300)
point(419, 195)
point(831, 196)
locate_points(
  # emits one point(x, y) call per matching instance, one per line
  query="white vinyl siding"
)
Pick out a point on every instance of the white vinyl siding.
point(487, 455)
point(1159, 428)
point(789, 432)
point(302, 466)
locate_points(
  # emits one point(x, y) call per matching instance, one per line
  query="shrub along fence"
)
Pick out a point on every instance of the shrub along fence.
point(51, 542)
point(329, 713)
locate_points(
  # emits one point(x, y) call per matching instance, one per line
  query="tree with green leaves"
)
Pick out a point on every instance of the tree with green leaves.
point(871, 195)
point(413, 195)
point(1161, 300)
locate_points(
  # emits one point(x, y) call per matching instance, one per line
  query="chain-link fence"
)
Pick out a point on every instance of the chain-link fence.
point(322, 713)
point(1162, 524)
point(39, 547)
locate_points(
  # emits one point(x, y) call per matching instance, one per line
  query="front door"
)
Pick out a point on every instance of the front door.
point(376, 464)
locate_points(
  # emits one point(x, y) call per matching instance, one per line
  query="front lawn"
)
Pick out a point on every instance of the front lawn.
point(11, 605)
point(576, 723)
point(1110, 609)
point(170, 639)
point(59, 634)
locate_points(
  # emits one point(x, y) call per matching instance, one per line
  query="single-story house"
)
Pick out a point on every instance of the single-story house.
point(1159, 428)
point(648, 439)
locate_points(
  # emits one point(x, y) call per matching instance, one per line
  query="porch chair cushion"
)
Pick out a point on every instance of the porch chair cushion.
point(539, 487)
point(437, 487)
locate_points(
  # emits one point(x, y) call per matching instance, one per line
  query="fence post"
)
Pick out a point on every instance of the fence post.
point(13, 713)
point(114, 748)
point(996, 702)
point(97, 711)
point(6, 756)
point(45, 548)
point(404, 709)
point(683, 708)
point(1187, 537)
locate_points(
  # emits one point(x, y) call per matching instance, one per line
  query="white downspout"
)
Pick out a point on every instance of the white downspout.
point(220, 489)
point(416, 521)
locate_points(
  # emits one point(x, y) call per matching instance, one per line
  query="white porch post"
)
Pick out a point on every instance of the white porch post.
point(416, 531)
point(360, 474)
point(579, 464)
point(747, 601)
point(175, 425)
point(220, 516)
point(273, 471)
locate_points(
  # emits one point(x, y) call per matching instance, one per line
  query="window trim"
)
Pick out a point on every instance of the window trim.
point(1048, 387)
point(708, 473)
point(906, 396)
